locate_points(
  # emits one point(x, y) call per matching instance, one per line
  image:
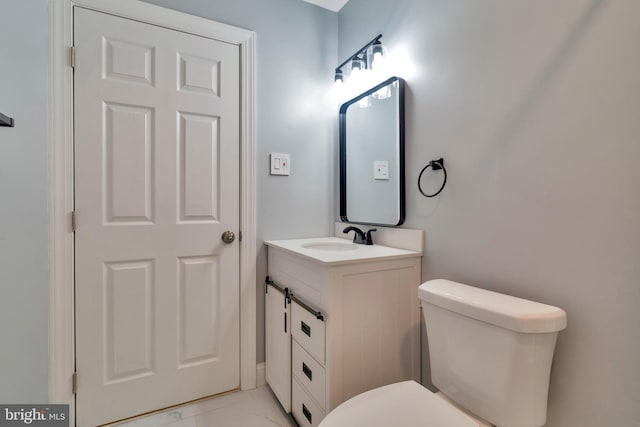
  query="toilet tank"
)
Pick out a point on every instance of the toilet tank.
point(491, 353)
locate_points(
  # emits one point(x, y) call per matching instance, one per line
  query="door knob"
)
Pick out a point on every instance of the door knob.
point(228, 236)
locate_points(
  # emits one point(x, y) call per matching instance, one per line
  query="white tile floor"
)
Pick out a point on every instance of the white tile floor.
point(251, 408)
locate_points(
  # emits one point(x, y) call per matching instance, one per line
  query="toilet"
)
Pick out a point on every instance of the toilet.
point(490, 358)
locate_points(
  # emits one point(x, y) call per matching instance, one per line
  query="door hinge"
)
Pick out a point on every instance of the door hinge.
point(74, 221)
point(72, 57)
point(74, 383)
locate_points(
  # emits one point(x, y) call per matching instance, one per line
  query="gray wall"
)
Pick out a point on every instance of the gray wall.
point(24, 298)
point(534, 106)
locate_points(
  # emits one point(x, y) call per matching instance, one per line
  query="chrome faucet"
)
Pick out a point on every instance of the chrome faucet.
point(360, 237)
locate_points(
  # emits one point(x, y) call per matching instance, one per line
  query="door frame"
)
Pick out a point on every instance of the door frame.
point(61, 172)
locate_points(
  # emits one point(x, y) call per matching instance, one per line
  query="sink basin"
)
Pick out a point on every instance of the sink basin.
point(336, 250)
point(330, 246)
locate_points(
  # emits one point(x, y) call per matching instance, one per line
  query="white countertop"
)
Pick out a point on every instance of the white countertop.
point(335, 250)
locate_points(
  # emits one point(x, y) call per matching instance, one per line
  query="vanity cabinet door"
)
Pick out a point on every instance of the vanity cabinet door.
point(278, 345)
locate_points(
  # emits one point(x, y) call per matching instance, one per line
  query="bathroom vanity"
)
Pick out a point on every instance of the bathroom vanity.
point(340, 319)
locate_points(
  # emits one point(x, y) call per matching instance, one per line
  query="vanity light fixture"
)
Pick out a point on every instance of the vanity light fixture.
point(360, 64)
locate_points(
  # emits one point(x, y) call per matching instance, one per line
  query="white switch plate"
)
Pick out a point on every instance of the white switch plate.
point(380, 169)
point(280, 164)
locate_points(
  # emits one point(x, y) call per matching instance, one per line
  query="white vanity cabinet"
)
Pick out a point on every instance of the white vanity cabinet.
point(352, 322)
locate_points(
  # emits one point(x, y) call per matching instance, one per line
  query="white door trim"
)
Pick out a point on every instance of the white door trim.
point(61, 195)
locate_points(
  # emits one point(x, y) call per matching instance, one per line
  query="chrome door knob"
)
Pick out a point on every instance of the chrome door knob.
point(228, 236)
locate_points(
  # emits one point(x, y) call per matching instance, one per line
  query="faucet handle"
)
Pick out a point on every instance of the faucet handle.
point(358, 237)
point(369, 238)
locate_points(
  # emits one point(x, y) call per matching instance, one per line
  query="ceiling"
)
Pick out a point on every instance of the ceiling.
point(333, 5)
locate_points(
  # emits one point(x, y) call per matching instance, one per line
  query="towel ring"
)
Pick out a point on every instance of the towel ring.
point(434, 165)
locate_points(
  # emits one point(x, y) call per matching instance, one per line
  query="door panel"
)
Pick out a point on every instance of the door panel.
point(198, 313)
point(198, 162)
point(129, 321)
point(157, 183)
point(128, 149)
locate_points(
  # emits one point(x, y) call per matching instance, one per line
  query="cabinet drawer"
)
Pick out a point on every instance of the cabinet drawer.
point(305, 411)
point(309, 373)
point(308, 331)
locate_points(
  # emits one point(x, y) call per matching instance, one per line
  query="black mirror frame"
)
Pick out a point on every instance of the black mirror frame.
point(343, 149)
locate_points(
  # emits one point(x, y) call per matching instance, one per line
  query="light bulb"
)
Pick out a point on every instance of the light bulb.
point(376, 53)
point(356, 67)
point(337, 91)
point(376, 63)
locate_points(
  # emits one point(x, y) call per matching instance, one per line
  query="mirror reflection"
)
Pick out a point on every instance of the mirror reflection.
point(372, 156)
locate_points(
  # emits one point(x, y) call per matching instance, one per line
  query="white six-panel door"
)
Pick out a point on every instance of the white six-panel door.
point(157, 183)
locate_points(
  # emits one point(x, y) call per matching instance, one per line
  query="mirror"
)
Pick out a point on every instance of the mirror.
point(372, 156)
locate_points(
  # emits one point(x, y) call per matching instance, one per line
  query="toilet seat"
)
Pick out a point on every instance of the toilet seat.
point(405, 404)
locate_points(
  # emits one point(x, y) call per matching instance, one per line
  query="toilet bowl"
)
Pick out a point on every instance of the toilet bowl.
point(406, 404)
point(490, 356)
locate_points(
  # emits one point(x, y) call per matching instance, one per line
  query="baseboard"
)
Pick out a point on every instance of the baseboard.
point(260, 375)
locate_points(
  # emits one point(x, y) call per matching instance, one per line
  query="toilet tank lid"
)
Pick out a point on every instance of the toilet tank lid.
point(509, 312)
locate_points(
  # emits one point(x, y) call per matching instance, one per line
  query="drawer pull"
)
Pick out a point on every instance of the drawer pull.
point(305, 328)
point(306, 413)
point(308, 372)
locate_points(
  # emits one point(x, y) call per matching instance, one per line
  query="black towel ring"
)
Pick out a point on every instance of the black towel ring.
point(434, 165)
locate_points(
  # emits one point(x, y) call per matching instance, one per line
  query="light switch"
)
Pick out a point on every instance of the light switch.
point(380, 169)
point(280, 164)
